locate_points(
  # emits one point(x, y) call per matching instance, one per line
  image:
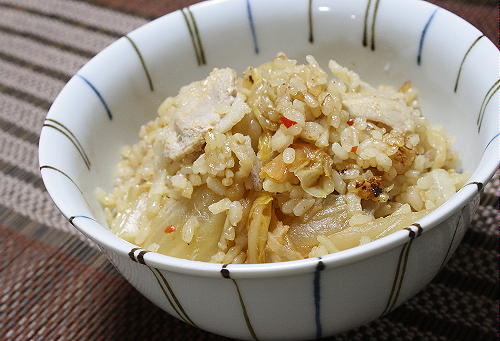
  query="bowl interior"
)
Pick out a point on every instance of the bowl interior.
point(388, 42)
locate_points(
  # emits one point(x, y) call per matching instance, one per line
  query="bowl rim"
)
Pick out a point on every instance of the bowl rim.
point(96, 232)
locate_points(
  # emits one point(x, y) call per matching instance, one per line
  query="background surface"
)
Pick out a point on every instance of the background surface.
point(56, 285)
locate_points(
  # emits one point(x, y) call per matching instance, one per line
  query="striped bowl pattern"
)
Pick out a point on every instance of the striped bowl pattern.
point(387, 41)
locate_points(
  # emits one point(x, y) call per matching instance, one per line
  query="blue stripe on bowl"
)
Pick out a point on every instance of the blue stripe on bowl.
point(317, 298)
point(488, 144)
point(98, 94)
point(252, 27)
point(422, 36)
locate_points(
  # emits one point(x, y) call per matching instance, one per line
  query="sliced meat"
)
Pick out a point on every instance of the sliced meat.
point(403, 159)
point(392, 113)
point(197, 108)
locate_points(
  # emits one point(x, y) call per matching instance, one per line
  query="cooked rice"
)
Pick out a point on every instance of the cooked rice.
point(280, 164)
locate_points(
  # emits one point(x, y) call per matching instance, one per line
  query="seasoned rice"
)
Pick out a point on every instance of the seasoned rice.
point(280, 164)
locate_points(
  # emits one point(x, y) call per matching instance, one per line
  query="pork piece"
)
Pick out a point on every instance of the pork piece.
point(394, 114)
point(199, 107)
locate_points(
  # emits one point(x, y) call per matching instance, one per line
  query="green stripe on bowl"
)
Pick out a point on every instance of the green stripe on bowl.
point(396, 279)
point(226, 274)
point(365, 23)
point(172, 299)
point(463, 60)
point(172, 305)
point(374, 20)
point(61, 172)
point(401, 269)
point(195, 35)
point(141, 59)
point(71, 137)
point(453, 237)
point(486, 100)
point(373, 24)
point(67, 130)
point(310, 21)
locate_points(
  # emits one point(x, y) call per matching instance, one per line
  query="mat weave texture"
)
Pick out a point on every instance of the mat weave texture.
point(55, 285)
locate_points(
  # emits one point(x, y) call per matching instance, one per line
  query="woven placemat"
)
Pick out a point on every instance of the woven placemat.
point(54, 284)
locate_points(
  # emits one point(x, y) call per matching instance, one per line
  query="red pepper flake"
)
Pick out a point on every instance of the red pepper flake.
point(350, 122)
point(288, 123)
point(170, 229)
point(354, 149)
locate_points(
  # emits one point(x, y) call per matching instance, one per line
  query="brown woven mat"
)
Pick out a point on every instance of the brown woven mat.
point(55, 285)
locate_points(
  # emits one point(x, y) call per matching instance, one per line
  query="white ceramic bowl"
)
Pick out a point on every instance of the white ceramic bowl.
point(386, 41)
